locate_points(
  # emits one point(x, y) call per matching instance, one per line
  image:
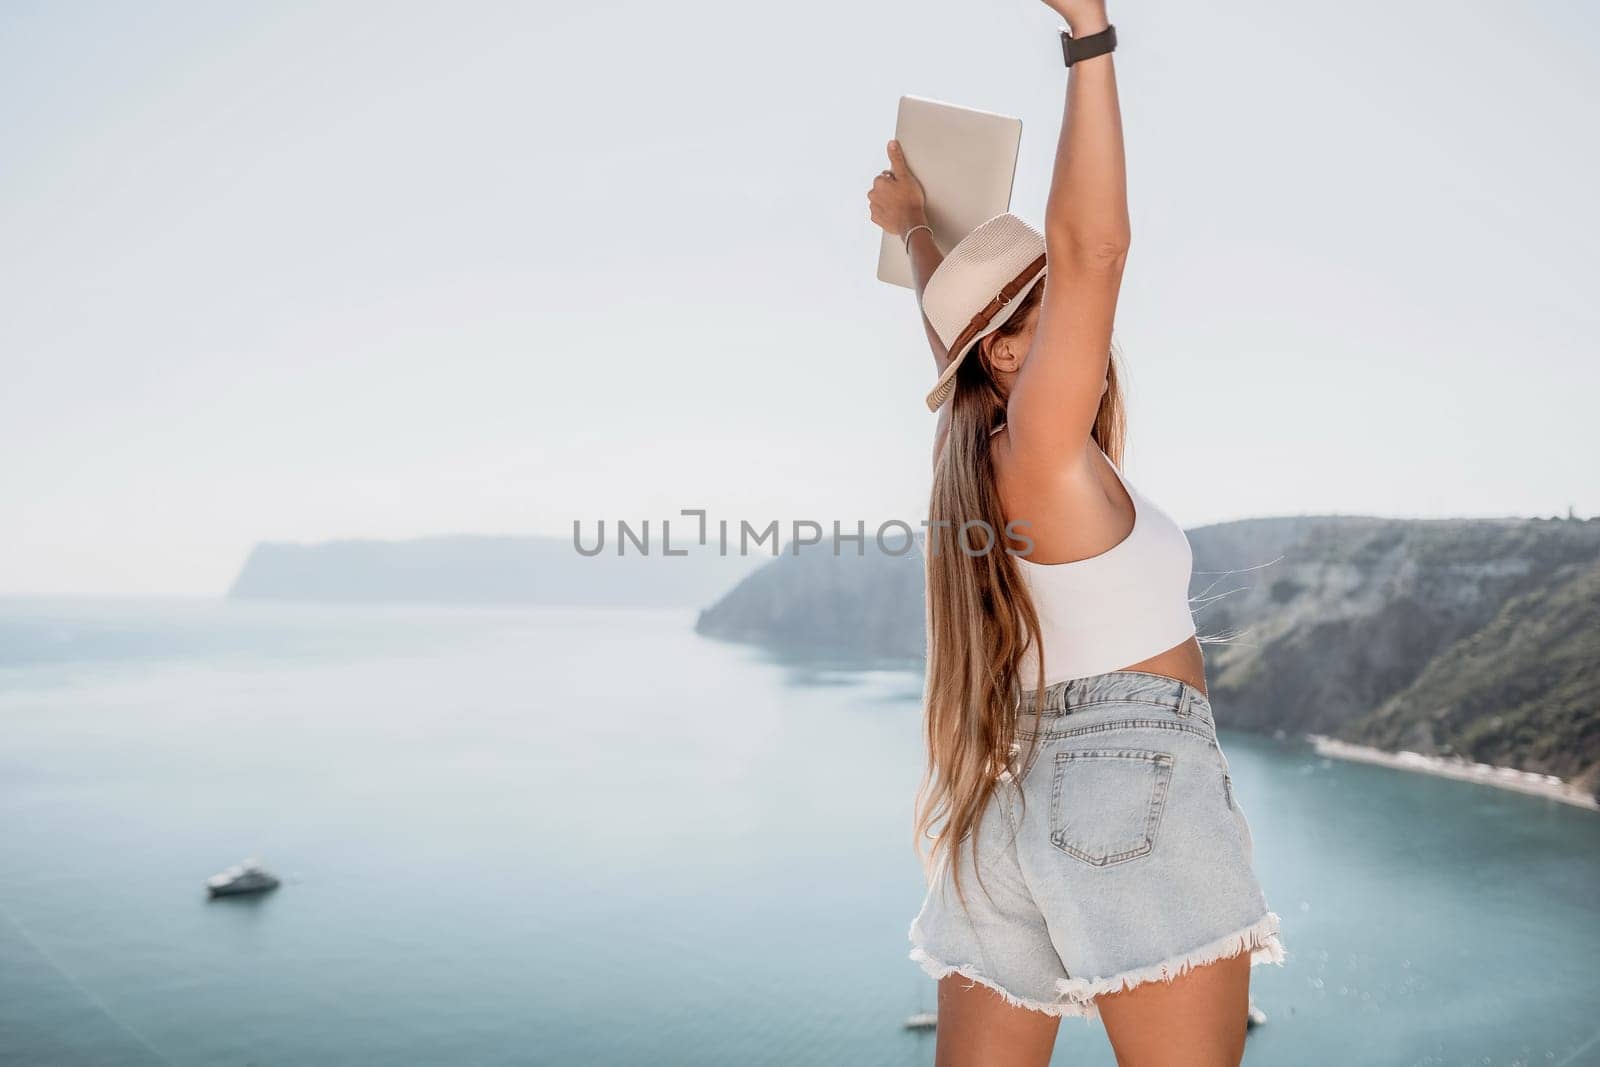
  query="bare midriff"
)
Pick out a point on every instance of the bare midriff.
point(1184, 662)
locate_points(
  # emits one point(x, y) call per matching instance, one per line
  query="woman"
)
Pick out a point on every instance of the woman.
point(1088, 855)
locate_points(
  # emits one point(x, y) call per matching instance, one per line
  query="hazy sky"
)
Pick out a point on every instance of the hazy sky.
point(299, 272)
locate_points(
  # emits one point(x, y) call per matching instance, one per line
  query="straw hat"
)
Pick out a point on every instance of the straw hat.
point(977, 286)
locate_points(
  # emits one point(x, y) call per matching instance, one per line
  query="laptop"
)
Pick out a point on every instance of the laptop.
point(966, 160)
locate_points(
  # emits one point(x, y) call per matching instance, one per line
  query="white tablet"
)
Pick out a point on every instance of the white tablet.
point(966, 160)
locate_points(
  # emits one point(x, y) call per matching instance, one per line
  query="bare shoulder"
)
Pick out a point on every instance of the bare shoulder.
point(1067, 508)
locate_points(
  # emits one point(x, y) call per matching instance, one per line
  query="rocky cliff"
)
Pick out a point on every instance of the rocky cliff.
point(1478, 637)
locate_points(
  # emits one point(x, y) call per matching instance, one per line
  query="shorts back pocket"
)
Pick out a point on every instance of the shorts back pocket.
point(1105, 806)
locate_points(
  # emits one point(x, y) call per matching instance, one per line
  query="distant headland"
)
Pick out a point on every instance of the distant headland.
point(468, 569)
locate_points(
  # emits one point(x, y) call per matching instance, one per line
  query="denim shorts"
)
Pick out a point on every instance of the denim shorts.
point(1116, 854)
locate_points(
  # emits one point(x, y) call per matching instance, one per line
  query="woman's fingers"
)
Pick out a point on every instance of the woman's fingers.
point(897, 161)
point(895, 195)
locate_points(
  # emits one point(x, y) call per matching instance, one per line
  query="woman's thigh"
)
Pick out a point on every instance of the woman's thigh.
point(1196, 1020)
point(977, 1028)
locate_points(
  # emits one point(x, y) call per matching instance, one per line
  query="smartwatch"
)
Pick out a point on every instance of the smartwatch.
point(1077, 49)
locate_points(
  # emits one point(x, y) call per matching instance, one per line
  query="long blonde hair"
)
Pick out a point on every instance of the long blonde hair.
point(980, 618)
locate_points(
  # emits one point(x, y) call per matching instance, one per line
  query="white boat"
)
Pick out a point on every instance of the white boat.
point(246, 877)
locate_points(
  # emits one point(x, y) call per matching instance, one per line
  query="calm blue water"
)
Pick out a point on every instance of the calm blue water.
point(557, 836)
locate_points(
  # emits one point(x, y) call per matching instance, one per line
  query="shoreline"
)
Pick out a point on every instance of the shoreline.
point(1529, 782)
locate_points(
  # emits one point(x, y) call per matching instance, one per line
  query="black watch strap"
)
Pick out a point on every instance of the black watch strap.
point(1077, 49)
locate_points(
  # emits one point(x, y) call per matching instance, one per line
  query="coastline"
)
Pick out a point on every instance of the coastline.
point(1540, 785)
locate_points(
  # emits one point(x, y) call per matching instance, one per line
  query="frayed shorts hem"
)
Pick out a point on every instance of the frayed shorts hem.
point(1076, 996)
point(1260, 939)
point(938, 969)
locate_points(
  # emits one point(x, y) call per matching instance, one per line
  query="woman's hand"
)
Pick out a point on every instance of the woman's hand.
point(1083, 17)
point(896, 196)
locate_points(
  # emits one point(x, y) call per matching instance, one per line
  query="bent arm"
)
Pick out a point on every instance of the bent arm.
point(925, 259)
point(1054, 400)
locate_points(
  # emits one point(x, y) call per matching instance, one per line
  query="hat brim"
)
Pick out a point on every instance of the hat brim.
point(982, 325)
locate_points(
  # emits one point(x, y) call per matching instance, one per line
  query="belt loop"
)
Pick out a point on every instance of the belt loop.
point(1185, 694)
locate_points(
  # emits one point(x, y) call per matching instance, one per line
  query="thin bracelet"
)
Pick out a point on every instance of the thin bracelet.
point(914, 229)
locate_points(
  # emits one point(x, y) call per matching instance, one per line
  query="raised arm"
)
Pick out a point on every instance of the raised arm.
point(898, 206)
point(925, 258)
point(1053, 402)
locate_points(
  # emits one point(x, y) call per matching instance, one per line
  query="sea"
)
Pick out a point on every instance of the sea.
point(538, 835)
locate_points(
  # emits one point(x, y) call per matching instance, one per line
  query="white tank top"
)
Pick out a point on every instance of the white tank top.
point(1113, 610)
